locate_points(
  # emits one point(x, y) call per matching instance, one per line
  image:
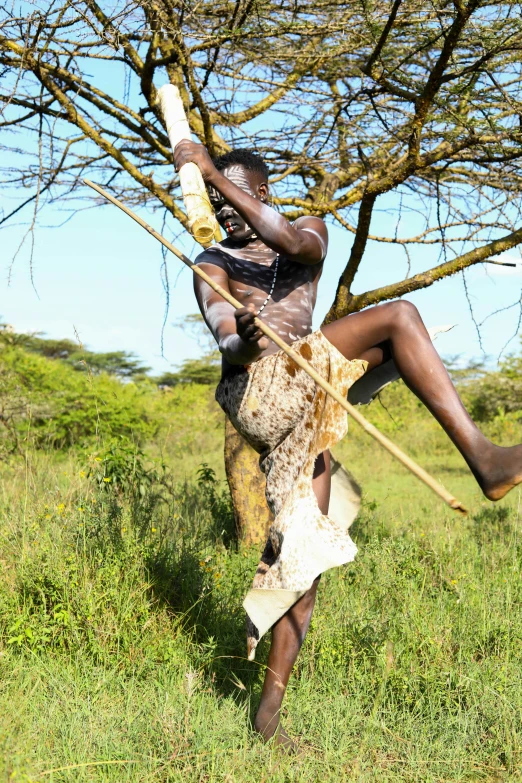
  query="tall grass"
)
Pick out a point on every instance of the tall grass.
point(122, 634)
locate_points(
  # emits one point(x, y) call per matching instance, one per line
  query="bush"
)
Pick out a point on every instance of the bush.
point(127, 524)
point(50, 404)
point(488, 394)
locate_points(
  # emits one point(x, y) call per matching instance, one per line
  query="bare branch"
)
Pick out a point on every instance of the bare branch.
point(411, 107)
point(426, 279)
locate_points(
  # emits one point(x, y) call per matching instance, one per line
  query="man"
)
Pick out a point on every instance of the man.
point(273, 269)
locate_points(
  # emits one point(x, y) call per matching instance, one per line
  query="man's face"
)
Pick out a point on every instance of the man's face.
point(227, 217)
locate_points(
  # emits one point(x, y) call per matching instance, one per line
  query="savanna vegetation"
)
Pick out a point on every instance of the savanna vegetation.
point(121, 628)
point(399, 122)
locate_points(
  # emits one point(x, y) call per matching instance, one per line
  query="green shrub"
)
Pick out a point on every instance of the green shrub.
point(50, 404)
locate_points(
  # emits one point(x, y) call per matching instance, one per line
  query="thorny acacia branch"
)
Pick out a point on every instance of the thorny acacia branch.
point(409, 107)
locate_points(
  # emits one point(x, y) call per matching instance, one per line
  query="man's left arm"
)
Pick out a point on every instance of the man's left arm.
point(305, 242)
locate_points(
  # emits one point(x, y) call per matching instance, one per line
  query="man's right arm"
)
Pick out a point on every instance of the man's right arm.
point(238, 339)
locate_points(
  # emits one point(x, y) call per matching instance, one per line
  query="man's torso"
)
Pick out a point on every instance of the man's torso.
point(250, 271)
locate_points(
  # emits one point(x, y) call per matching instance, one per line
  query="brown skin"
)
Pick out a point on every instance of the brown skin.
point(288, 635)
point(259, 233)
point(374, 334)
point(276, 232)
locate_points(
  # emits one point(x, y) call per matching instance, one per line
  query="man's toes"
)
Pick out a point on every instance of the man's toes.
point(284, 743)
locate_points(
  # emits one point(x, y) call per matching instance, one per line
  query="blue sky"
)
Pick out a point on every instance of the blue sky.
point(99, 275)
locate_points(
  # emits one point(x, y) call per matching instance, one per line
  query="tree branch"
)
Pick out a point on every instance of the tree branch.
point(425, 279)
point(368, 68)
point(343, 295)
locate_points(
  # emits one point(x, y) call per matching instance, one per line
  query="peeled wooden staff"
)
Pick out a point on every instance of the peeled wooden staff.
point(202, 221)
point(298, 359)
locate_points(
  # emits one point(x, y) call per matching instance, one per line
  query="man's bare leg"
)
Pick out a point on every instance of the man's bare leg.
point(288, 635)
point(397, 327)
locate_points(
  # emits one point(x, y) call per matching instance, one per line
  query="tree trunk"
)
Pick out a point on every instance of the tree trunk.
point(247, 488)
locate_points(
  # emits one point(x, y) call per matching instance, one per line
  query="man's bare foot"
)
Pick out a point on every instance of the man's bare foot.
point(284, 743)
point(269, 727)
point(504, 472)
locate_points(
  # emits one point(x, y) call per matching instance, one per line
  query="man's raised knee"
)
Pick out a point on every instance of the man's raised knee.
point(404, 312)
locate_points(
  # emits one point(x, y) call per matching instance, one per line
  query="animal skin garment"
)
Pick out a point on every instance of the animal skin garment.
point(289, 421)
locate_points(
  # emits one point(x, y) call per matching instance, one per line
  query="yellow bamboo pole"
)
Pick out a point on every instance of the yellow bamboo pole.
point(410, 464)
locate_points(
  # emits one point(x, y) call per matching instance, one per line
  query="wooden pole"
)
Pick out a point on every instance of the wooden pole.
point(412, 466)
point(202, 221)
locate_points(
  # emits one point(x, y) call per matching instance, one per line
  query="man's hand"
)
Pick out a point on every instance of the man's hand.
point(190, 152)
point(239, 339)
point(246, 328)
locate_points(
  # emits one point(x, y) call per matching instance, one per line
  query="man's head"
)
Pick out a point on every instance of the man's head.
point(249, 172)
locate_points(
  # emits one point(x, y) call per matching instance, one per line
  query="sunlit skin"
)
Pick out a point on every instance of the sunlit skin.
point(256, 233)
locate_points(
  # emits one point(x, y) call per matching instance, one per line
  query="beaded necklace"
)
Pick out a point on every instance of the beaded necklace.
point(272, 288)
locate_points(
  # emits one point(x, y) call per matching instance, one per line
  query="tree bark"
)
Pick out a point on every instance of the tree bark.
point(247, 488)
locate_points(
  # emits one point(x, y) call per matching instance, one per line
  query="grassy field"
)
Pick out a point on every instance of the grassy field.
point(122, 633)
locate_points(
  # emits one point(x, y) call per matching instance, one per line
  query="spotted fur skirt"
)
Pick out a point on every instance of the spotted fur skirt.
point(289, 421)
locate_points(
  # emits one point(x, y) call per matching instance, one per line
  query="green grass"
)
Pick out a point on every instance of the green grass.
point(122, 633)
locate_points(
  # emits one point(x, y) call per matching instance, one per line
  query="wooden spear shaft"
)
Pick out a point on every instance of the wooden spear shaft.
point(412, 466)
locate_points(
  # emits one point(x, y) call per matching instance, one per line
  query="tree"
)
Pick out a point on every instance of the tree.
point(119, 363)
point(487, 393)
point(403, 106)
point(207, 368)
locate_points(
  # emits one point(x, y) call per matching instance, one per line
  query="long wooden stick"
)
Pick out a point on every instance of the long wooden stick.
point(298, 359)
